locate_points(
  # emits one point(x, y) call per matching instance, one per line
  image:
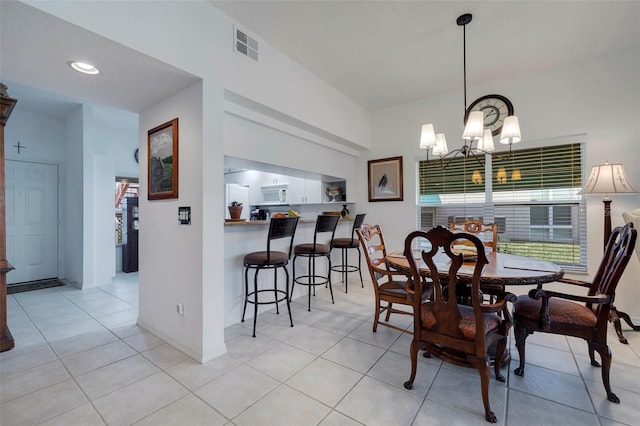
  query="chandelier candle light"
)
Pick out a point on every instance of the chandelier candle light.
point(486, 117)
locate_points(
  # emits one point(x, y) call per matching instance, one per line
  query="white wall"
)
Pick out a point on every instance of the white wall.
point(43, 141)
point(171, 261)
point(253, 141)
point(72, 201)
point(599, 98)
point(103, 227)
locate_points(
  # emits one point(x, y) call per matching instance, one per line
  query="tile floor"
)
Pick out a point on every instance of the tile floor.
point(80, 359)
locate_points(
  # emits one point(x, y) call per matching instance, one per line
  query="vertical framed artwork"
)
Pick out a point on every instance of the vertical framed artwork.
point(385, 179)
point(163, 161)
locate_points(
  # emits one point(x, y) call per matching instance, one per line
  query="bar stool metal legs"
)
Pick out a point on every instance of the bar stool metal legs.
point(270, 259)
point(278, 295)
point(312, 251)
point(344, 268)
point(345, 244)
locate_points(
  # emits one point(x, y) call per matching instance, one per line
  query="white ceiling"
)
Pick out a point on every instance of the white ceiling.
point(379, 53)
point(385, 53)
point(35, 52)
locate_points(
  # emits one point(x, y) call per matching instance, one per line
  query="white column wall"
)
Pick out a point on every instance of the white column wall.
point(170, 254)
point(72, 205)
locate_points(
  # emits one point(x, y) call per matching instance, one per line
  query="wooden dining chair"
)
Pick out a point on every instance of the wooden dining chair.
point(486, 232)
point(444, 323)
point(389, 286)
point(555, 312)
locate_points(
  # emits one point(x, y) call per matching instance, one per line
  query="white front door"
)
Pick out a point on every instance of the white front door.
point(32, 220)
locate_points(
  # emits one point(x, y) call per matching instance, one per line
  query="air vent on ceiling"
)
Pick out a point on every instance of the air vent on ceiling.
point(245, 44)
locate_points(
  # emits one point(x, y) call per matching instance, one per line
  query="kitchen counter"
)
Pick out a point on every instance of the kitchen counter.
point(266, 222)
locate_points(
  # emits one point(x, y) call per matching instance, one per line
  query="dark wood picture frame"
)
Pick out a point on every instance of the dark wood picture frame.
point(385, 179)
point(162, 163)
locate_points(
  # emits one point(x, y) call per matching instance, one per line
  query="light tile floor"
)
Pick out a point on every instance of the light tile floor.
point(80, 359)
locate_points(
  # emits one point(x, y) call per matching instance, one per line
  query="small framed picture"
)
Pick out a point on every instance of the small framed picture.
point(163, 161)
point(385, 179)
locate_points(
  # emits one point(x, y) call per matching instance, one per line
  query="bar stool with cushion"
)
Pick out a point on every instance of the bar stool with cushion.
point(324, 225)
point(344, 244)
point(281, 227)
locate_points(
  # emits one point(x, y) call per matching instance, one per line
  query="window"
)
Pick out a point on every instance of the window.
point(532, 196)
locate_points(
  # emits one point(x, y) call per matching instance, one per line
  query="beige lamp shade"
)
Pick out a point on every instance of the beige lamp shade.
point(607, 179)
point(486, 142)
point(428, 137)
point(510, 131)
point(475, 126)
point(441, 145)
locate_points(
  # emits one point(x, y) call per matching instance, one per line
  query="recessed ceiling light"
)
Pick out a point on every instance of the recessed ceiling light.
point(84, 67)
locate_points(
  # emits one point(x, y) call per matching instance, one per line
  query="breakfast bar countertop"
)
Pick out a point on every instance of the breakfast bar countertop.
point(266, 222)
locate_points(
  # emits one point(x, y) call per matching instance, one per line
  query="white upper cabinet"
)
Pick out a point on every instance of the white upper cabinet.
point(304, 191)
point(312, 191)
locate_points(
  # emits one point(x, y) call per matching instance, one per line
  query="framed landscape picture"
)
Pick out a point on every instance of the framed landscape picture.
point(385, 179)
point(163, 161)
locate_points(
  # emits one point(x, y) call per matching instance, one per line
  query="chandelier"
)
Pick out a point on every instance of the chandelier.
point(485, 118)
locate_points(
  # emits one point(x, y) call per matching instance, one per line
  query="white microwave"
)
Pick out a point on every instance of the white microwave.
point(274, 194)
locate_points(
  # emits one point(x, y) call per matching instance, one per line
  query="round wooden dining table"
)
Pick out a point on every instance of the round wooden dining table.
point(502, 270)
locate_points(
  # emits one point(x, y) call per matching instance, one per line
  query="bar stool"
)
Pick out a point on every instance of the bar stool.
point(324, 224)
point(344, 244)
point(281, 227)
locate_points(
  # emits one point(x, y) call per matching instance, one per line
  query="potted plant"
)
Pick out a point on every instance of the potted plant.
point(235, 209)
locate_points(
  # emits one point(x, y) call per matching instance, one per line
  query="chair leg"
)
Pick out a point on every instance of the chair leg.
point(359, 268)
point(329, 277)
point(500, 348)
point(293, 284)
point(286, 293)
point(605, 355)
point(615, 316)
point(482, 365)
point(521, 333)
point(246, 291)
point(312, 280)
point(376, 316)
point(255, 299)
point(345, 263)
point(413, 354)
point(389, 308)
point(275, 289)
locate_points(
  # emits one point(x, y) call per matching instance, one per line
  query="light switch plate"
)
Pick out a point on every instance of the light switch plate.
point(184, 215)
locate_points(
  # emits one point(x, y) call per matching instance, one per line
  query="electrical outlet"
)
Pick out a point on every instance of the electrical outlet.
point(180, 309)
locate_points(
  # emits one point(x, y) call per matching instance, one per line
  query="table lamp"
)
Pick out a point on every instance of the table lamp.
point(607, 179)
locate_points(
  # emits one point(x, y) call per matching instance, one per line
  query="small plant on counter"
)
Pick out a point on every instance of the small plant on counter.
point(235, 204)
